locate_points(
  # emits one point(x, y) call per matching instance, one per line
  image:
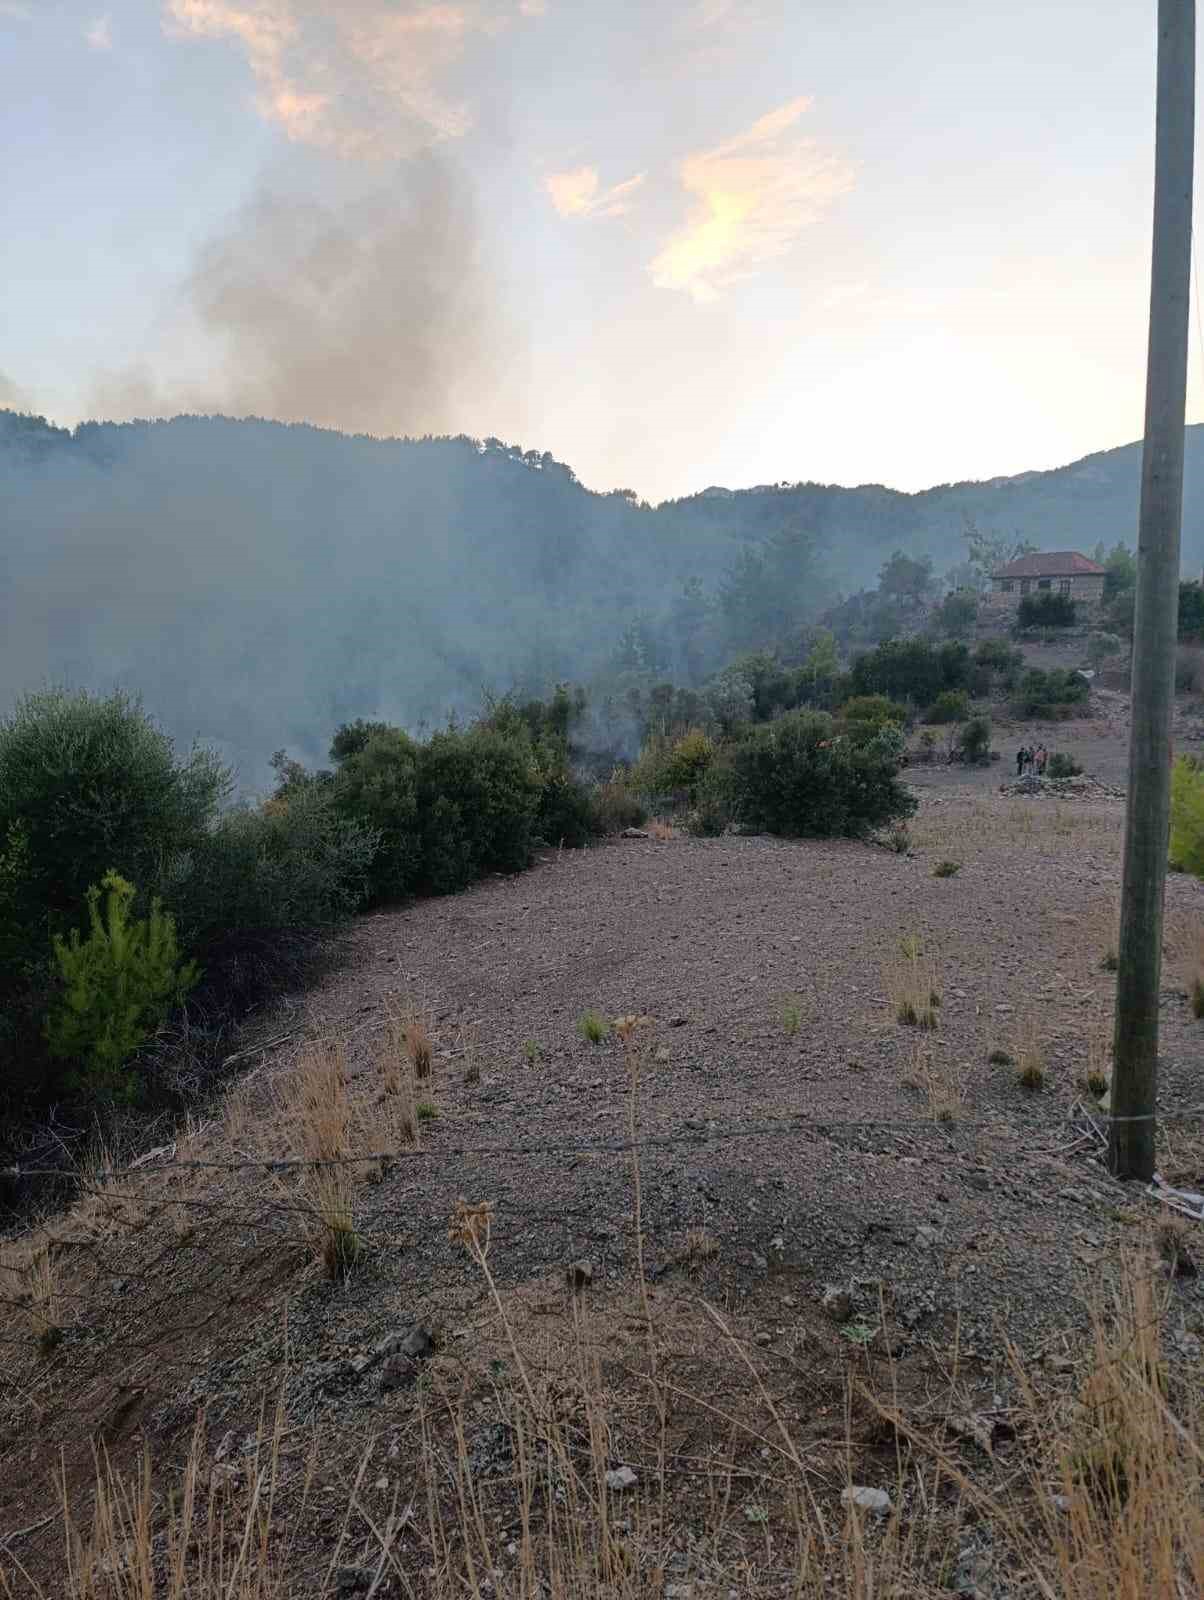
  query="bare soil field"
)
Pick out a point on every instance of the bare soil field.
point(825, 1203)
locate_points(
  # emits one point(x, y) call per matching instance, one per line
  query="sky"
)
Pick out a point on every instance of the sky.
point(675, 242)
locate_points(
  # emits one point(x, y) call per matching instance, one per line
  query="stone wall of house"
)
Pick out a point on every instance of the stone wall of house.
point(1086, 589)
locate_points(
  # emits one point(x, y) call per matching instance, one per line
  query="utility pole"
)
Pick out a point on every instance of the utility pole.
point(1155, 624)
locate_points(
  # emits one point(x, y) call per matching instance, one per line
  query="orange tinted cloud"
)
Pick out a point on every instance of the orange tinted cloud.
point(753, 196)
point(360, 77)
point(578, 193)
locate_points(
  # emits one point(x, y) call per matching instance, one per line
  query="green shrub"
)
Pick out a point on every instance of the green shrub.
point(1102, 647)
point(593, 1026)
point(953, 705)
point(1050, 694)
point(1187, 817)
point(687, 761)
point(294, 865)
point(996, 663)
point(864, 714)
point(478, 795)
point(957, 614)
point(119, 984)
point(975, 740)
point(353, 737)
point(94, 785)
point(613, 806)
point(1062, 766)
point(714, 804)
point(566, 814)
point(912, 669)
point(1046, 610)
point(797, 778)
point(377, 787)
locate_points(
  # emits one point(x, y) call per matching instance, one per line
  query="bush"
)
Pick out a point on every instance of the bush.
point(1046, 610)
point(93, 785)
point(1102, 647)
point(1050, 694)
point(866, 713)
point(975, 740)
point(912, 669)
point(797, 778)
point(613, 806)
point(478, 795)
point(1189, 669)
point(996, 662)
point(957, 614)
point(951, 706)
point(1062, 766)
point(297, 865)
point(377, 787)
point(119, 984)
point(1187, 817)
point(712, 811)
point(687, 761)
point(566, 812)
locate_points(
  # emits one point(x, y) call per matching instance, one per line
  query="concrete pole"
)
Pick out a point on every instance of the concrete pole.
point(1155, 625)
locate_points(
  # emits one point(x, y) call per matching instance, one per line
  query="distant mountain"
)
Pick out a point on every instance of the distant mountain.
point(259, 582)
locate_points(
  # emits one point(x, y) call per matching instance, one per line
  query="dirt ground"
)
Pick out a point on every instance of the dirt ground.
point(796, 1137)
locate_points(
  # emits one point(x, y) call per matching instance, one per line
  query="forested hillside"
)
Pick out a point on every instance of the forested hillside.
point(260, 583)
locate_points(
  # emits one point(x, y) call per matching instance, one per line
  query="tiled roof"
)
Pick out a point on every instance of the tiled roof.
point(1051, 564)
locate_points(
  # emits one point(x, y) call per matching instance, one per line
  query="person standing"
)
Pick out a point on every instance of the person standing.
point(1020, 754)
point(1042, 758)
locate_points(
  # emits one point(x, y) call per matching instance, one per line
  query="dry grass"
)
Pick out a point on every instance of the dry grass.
point(911, 984)
point(661, 830)
point(792, 1016)
point(1185, 948)
point(1102, 1493)
point(396, 1100)
point(1029, 1055)
point(322, 1127)
point(942, 1081)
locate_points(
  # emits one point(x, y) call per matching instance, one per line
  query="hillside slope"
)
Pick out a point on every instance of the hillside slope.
point(259, 583)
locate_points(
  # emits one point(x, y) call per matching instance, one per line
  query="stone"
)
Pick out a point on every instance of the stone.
point(876, 1501)
point(1059, 1363)
point(764, 1337)
point(838, 1303)
point(397, 1371)
point(352, 1580)
point(621, 1479)
point(927, 1236)
point(662, 1055)
point(633, 833)
point(679, 1591)
point(678, 1022)
point(418, 1343)
point(972, 1575)
point(580, 1274)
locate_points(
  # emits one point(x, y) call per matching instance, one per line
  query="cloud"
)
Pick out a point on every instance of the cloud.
point(15, 9)
point(577, 194)
point(533, 8)
point(753, 196)
point(99, 33)
point(363, 78)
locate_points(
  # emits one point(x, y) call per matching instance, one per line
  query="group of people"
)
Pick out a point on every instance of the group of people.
point(1030, 760)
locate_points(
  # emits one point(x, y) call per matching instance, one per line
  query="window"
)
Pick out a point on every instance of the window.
point(1006, 586)
point(1025, 586)
point(1044, 583)
point(1063, 585)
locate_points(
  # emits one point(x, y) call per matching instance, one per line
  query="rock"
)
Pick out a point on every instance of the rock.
point(764, 1337)
point(876, 1501)
point(838, 1303)
point(678, 1022)
point(927, 1237)
point(382, 1484)
point(1056, 1363)
point(397, 1371)
point(662, 1055)
point(633, 833)
point(352, 1580)
point(580, 1274)
point(1062, 1503)
point(679, 1591)
point(418, 1343)
point(620, 1479)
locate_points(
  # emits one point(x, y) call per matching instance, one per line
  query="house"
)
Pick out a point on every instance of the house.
point(1049, 572)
